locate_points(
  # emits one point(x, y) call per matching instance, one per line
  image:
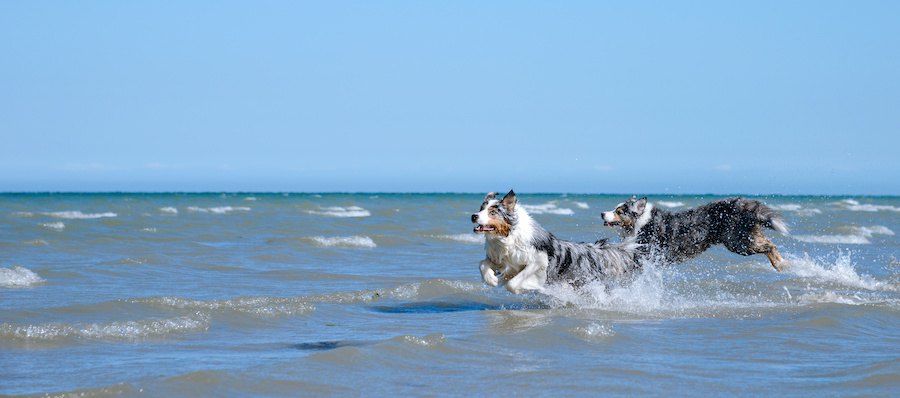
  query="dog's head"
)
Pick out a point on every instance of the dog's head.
point(496, 216)
point(626, 214)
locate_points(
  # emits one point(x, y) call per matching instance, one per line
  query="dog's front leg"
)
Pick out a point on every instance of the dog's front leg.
point(488, 272)
point(532, 277)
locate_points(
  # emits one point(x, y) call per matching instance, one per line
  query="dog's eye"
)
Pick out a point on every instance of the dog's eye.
point(494, 212)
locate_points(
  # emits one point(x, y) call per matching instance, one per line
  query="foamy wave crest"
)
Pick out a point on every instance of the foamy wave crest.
point(581, 205)
point(594, 331)
point(841, 271)
point(259, 306)
point(250, 198)
point(465, 238)
point(670, 205)
point(18, 277)
point(344, 241)
point(425, 341)
point(337, 211)
point(57, 226)
point(796, 208)
point(834, 239)
point(829, 297)
point(873, 230)
point(120, 330)
point(169, 210)
point(217, 210)
point(856, 235)
point(854, 205)
point(77, 215)
point(547, 208)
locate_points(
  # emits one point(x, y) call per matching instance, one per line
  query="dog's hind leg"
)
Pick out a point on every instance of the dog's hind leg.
point(761, 244)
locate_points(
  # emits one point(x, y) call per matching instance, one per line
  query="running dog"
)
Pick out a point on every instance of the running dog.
point(524, 256)
point(736, 223)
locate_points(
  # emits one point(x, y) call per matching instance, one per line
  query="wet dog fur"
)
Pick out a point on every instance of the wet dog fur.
point(736, 223)
point(524, 256)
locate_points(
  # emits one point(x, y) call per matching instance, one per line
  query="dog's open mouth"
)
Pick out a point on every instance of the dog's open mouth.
point(480, 229)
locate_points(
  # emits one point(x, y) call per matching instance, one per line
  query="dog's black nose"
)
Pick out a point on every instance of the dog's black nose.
point(474, 217)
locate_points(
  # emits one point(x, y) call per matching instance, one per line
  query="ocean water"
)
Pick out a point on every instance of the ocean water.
point(168, 295)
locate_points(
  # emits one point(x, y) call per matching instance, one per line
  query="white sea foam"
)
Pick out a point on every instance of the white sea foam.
point(77, 215)
point(119, 330)
point(670, 205)
point(344, 241)
point(149, 230)
point(217, 210)
point(829, 297)
point(796, 208)
point(834, 239)
point(22, 214)
point(58, 226)
point(841, 271)
point(337, 211)
point(18, 277)
point(547, 208)
point(169, 210)
point(856, 235)
point(465, 238)
point(581, 205)
point(594, 331)
point(260, 306)
point(853, 205)
point(870, 231)
point(250, 198)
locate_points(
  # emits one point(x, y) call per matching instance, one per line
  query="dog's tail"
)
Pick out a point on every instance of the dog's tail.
point(768, 217)
point(618, 258)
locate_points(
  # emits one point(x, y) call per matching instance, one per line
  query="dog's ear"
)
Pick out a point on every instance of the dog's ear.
point(640, 205)
point(490, 196)
point(509, 201)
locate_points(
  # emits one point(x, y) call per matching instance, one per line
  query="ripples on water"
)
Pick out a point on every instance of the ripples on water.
point(288, 294)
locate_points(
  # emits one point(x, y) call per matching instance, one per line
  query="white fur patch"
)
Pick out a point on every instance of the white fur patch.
point(644, 218)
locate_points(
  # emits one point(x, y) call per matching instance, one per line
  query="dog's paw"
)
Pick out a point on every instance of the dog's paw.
point(491, 279)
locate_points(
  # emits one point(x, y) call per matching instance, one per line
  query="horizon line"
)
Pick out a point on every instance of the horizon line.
point(153, 192)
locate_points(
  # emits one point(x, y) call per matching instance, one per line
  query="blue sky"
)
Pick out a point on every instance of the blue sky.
point(603, 97)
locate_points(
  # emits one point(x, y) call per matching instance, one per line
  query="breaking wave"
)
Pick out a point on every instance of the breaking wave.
point(217, 210)
point(57, 226)
point(259, 306)
point(344, 241)
point(119, 330)
point(840, 271)
point(465, 238)
point(168, 209)
point(19, 277)
point(670, 205)
point(796, 208)
point(853, 205)
point(854, 235)
point(547, 208)
point(581, 205)
point(77, 215)
point(834, 239)
point(337, 211)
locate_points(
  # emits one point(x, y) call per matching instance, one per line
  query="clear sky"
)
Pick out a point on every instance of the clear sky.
point(605, 97)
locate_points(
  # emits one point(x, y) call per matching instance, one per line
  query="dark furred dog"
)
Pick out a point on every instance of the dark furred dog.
point(526, 257)
point(736, 223)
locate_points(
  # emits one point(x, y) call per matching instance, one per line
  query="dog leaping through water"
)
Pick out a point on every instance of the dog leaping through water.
point(524, 256)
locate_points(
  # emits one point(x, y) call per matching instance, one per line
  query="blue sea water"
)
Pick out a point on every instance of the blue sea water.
point(271, 294)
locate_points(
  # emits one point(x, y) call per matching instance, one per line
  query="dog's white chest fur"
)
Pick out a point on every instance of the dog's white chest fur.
point(515, 253)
